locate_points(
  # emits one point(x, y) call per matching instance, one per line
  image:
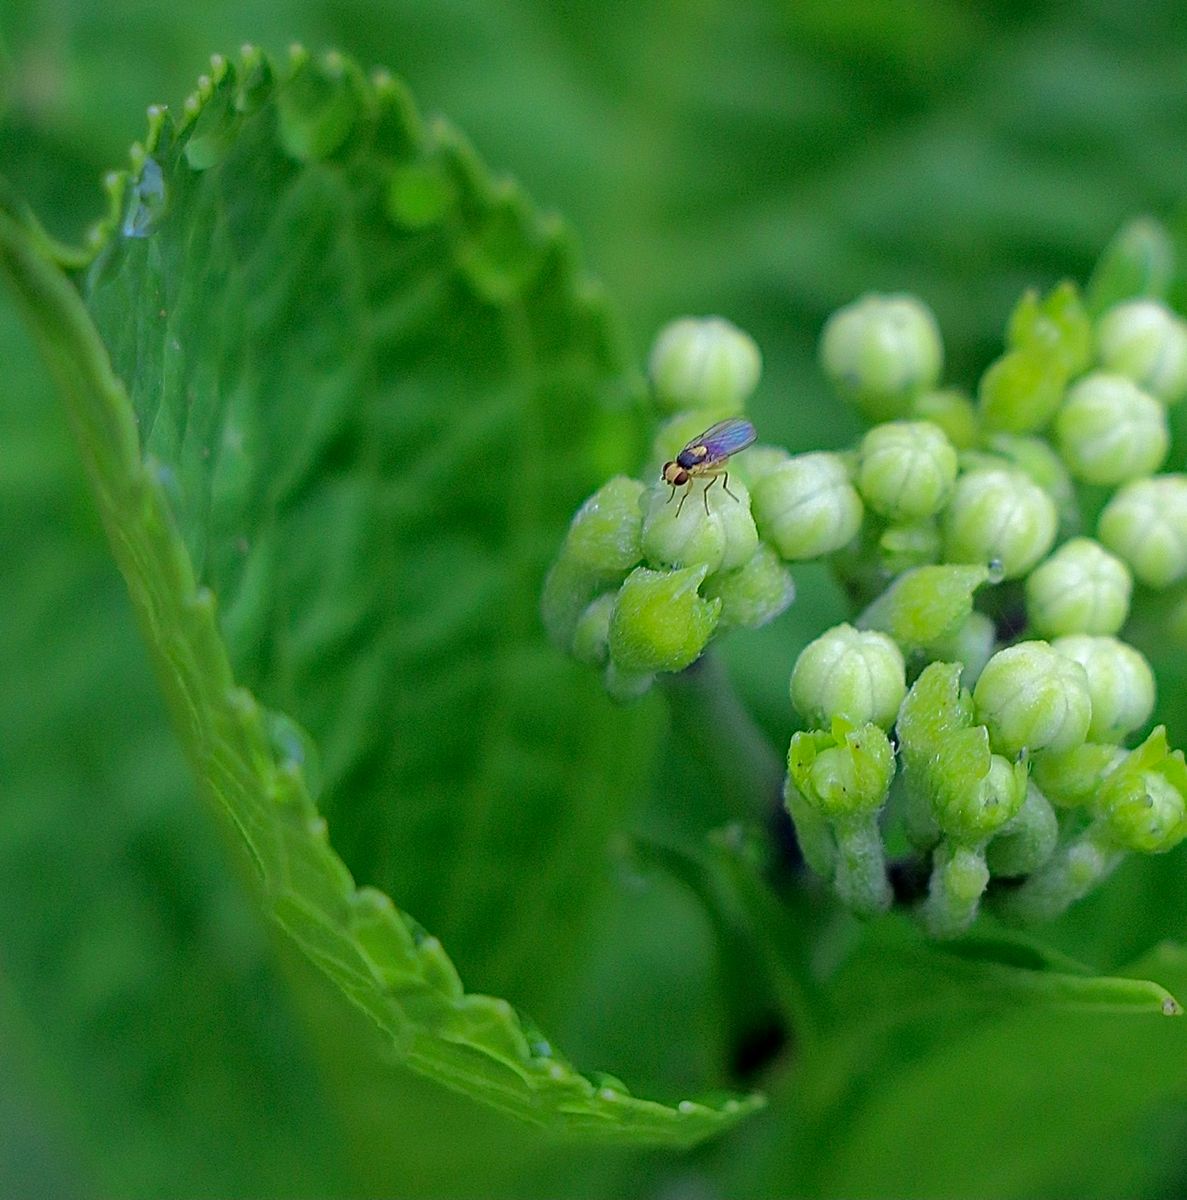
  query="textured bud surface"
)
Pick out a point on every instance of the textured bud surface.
point(906, 469)
point(882, 351)
point(704, 363)
point(604, 534)
point(1002, 516)
point(660, 622)
point(677, 531)
point(1032, 698)
point(849, 674)
point(1145, 341)
point(1081, 588)
point(1110, 431)
point(1145, 523)
point(953, 412)
point(806, 507)
point(1120, 684)
point(755, 593)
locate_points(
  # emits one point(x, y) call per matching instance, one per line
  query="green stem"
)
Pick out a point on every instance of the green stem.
point(722, 743)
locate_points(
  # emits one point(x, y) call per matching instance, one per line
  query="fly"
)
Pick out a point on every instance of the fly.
point(707, 457)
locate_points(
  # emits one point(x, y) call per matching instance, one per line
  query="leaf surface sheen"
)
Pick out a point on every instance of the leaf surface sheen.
point(357, 423)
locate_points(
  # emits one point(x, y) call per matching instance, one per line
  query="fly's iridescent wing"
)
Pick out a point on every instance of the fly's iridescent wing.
point(725, 438)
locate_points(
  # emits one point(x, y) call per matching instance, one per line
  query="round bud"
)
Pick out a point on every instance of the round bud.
point(842, 774)
point(755, 593)
point(972, 645)
point(660, 622)
point(757, 462)
point(603, 537)
point(1146, 342)
point(704, 363)
point(1035, 457)
point(591, 638)
point(1110, 431)
point(1120, 684)
point(953, 412)
point(906, 469)
point(913, 544)
point(1145, 523)
point(999, 515)
point(859, 676)
point(1032, 698)
point(1081, 588)
point(806, 507)
point(677, 530)
point(1144, 811)
point(880, 352)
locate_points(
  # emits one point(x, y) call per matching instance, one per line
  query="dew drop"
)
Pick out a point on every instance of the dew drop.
point(996, 569)
point(146, 203)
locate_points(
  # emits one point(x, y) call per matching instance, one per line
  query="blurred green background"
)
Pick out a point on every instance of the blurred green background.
point(765, 161)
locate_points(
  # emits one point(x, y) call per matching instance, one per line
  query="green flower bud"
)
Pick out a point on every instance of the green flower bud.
point(916, 544)
point(1146, 342)
point(974, 793)
point(806, 507)
point(1143, 802)
point(843, 772)
point(844, 776)
point(972, 644)
point(604, 534)
point(704, 363)
point(925, 606)
point(1024, 844)
point(755, 593)
point(967, 792)
point(847, 674)
point(958, 879)
point(1072, 778)
point(677, 531)
point(757, 462)
point(1120, 684)
point(880, 352)
point(953, 412)
point(1056, 324)
point(660, 622)
point(907, 469)
point(1139, 261)
point(1020, 392)
point(1146, 524)
point(1035, 458)
point(591, 639)
point(1081, 588)
point(1110, 431)
point(999, 515)
point(568, 589)
point(1032, 698)
point(935, 707)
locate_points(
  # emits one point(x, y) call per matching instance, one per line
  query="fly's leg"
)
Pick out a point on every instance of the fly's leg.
point(725, 483)
point(682, 500)
point(705, 493)
point(672, 496)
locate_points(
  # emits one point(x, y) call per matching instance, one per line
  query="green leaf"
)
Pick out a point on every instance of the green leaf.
point(331, 452)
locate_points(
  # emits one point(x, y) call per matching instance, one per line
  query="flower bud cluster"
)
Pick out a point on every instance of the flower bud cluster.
point(992, 551)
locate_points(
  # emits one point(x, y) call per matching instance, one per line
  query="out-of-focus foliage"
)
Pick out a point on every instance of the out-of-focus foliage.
point(766, 161)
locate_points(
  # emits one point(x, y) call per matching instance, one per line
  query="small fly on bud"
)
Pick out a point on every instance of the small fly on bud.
point(706, 457)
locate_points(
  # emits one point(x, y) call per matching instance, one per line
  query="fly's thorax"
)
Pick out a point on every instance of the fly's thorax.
point(691, 456)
